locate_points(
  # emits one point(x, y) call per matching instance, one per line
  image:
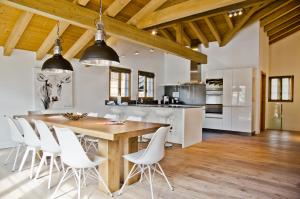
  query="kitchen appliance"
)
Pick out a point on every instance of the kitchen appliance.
point(166, 99)
point(214, 96)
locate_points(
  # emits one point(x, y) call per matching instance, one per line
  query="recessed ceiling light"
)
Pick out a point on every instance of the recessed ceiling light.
point(154, 32)
point(151, 50)
point(136, 53)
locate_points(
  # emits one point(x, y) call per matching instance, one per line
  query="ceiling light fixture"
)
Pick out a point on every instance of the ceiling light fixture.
point(57, 63)
point(100, 54)
point(236, 12)
point(151, 50)
point(154, 32)
point(136, 53)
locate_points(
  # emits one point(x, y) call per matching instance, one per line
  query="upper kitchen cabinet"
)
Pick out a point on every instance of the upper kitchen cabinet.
point(242, 87)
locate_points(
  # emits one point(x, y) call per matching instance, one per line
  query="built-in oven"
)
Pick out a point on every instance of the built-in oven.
point(214, 96)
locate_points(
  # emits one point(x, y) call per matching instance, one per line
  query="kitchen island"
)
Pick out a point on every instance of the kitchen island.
point(186, 120)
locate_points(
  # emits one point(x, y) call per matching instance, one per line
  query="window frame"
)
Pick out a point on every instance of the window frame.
point(120, 71)
point(280, 92)
point(146, 75)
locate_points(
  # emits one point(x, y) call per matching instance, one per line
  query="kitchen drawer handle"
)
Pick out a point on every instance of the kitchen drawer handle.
point(214, 117)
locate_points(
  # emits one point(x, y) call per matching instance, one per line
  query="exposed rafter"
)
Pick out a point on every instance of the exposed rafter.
point(291, 22)
point(283, 19)
point(213, 29)
point(116, 7)
point(200, 35)
point(82, 2)
point(228, 21)
point(83, 17)
point(17, 32)
point(181, 36)
point(49, 41)
point(182, 10)
point(166, 34)
point(284, 33)
point(239, 25)
point(279, 13)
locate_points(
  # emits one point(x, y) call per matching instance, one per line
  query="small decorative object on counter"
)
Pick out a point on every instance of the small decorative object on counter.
point(75, 116)
point(119, 100)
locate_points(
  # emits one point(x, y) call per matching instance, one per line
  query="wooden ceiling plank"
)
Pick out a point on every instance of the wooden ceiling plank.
point(283, 33)
point(200, 35)
point(116, 7)
point(17, 32)
point(83, 17)
point(181, 10)
point(279, 13)
point(282, 19)
point(284, 25)
point(50, 40)
point(286, 34)
point(239, 25)
point(228, 21)
point(213, 29)
point(266, 9)
point(166, 34)
point(181, 37)
point(79, 44)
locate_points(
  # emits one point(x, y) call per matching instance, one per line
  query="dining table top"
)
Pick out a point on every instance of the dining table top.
point(98, 127)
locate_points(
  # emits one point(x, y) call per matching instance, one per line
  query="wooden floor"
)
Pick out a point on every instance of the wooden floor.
point(223, 166)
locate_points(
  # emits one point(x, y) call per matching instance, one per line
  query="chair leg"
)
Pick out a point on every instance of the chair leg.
point(62, 164)
point(24, 159)
point(55, 163)
point(16, 158)
point(40, 166)
point(9, 155)
point(162, 171)
point(79, 183)
point(60, 182)
point(103, 182)
point(32, 163)
point(150, 181)
point(128, 177)
point(51, 170)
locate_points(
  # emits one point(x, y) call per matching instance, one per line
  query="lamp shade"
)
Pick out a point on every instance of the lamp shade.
point(57, 64)
point(100, 54)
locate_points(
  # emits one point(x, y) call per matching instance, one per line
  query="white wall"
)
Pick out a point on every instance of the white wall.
point(91, 84)
point(16, 88)
point(285, 60)
point(176, 70)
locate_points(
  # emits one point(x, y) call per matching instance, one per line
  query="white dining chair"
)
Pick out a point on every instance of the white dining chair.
point(32, 141)
point(17, 138)
point(78, 163)
point(148, 159)
point(91, 142)
point(49, 147)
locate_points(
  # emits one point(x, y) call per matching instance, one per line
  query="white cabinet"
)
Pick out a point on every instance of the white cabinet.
point(227, 87)
point(212, 121)
point(242, 87)
point(241, 119)
point(226, 123)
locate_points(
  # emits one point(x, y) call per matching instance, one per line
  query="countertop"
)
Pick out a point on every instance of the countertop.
point(160, 105)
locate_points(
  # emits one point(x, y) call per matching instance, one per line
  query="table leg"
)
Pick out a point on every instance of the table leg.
point(130, 145)
point(110, 169)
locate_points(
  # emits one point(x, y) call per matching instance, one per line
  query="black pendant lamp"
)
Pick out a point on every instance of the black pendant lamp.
point(57, 63)
point(100, 54)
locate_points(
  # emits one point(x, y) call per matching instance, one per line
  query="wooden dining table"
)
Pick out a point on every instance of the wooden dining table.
point(115, 140)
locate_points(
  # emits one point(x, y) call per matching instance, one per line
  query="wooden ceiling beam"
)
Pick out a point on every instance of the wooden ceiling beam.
point(282, 19)
point(82, 2)
point(284, 33)
point(84, 39)
point(228, 21)
point(213, 29)
point(181, 10)
point(283, 26)
point(239, 25)
point(17, 32)
point(181, 37)
point(279, 13)
point(50, 40)
point(83, 17)
point(200, 35)
point(116, 7)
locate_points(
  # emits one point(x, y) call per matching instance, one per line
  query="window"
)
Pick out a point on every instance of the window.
point(119, 83)
point(281, 88)
point(146, 84)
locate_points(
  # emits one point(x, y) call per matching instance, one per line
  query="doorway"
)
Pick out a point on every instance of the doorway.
point(263, 102)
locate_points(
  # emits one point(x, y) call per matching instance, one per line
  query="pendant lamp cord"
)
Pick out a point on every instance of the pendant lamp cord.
point(57, 32)
point(101, 12)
